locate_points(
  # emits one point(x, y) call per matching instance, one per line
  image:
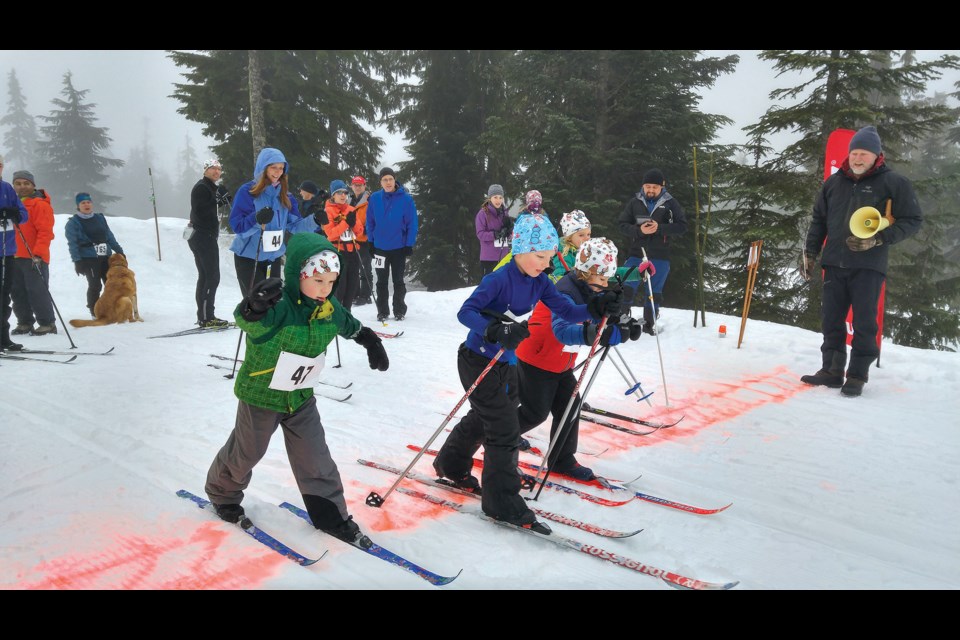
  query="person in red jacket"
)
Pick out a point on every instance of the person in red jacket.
point(342, 228)
point(547, 357)
point(31, 273)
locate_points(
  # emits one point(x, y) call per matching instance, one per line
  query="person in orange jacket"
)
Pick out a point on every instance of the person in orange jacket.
point(358, 200)
point(342, 228)
point(31, 273)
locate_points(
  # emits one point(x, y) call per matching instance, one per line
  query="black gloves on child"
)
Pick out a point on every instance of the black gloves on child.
point(264, 295)
point(508, 335)
point(376, 354)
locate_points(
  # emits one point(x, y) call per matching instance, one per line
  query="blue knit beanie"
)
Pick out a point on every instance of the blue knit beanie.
point(337, 185)
point(867, 139)
point(533, 232)
point(83, 196)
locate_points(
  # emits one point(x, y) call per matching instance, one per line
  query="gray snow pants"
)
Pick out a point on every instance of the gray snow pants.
point(313, 466)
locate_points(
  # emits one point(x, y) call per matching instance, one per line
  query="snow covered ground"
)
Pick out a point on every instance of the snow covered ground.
point(827, 492)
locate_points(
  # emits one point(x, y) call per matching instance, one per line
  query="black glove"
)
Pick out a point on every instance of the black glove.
point(323, 196)
point(508, 335)
point(223, 198)
point(590, 333)
point(351, 219)
point(862, 244)
point(630, 329)
point(265, 215)
point(606, 304)
point(264, 295)
point(10, 213)
point(407, 251)
point(320, 217)
point(78, 268)
point(376, 354)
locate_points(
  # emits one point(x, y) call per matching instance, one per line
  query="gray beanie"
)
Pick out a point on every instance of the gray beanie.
point(867, 139)
point(495, 190)
point(25, 175)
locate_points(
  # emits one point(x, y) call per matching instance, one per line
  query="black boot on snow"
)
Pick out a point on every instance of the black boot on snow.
point(229, 512)
point(832, 379)
point(349, 532)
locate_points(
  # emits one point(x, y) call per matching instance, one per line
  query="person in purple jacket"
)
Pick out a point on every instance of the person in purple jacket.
point(494, 226)
point(12, 213)
point(492, 420)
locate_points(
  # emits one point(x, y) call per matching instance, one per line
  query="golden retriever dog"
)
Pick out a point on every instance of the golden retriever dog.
point(118, 301)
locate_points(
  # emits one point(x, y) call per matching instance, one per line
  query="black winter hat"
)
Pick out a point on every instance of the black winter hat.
point(310, 187)
point(654, 176)
point(867, 139)
point(387, 171)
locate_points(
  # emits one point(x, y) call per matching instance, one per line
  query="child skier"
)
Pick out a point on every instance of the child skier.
point(288, 327)
point(492, 419)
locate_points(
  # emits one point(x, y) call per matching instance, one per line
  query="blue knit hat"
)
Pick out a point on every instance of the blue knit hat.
point(337, 185)
point(83, 196)
point(533, 232)
point(867, 139)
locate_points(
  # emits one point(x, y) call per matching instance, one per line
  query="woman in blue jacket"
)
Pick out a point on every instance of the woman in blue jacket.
point(263, 209)
point(91, 243)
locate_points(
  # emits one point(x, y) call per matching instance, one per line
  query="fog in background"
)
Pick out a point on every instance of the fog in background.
point(131, 92)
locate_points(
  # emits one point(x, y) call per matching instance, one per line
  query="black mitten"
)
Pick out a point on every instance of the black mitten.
point(376, 354)
point(605, 304)
point(508, 335)
point(264, 295)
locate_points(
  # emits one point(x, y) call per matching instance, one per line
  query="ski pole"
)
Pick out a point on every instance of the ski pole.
point(336, 340)
point(656, 334)
point(375, 500)
point(3, 270)
point(156, 221)
point(636, 381)
point(45, 283)
point(253, 279)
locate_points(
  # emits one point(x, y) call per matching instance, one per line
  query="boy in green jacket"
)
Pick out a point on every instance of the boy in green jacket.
point(288, 328)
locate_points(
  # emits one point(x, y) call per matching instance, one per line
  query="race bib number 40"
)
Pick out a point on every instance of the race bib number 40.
point(272, 240)
point(296, 372)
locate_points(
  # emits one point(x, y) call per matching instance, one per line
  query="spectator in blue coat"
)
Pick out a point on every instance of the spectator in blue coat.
point(392, 232)
point(91, 243)
point(12, 212)
point(262, 210)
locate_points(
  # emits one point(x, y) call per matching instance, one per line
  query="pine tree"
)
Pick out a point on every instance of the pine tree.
point(584, 126)
point(20, 139)
point(315, 106)
point(848, 89)
point(72, 150)
point(444, 115)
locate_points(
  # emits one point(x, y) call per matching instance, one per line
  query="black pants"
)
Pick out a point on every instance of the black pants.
point(31, 297)
point(394, 262)
point(366, 271)
point(349, 281)
point(245, 267)
point(492, 422)
point(206, 255)
point(843, 288)
point(543, 393)
point(6, 285)
point(488, 265)
point(95, 270)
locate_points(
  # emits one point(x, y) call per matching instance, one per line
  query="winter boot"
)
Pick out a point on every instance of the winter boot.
point(465, 483)
point(577, 472)
point(381, 317)
point(213, 323)
point(349, 532)
point(525, 444)
point(853, 387)
point(44, 329)
point(526, 520)
point(229, 512)
point(832, 378)
point(399, 316)
point(22, 329)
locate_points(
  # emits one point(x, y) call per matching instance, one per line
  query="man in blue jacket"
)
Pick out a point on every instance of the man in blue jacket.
point(392, 232)
point(12, 212)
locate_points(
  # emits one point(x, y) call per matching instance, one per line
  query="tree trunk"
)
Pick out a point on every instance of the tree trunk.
point(257, 128)
point(830, 105)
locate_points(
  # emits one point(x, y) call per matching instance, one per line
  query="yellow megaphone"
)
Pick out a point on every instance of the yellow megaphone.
point(867, 221)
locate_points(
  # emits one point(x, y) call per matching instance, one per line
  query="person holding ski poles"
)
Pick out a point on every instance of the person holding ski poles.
point(12, 212)
point(492, 420)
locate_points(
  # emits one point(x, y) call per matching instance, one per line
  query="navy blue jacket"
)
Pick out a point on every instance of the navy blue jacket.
point(9, 198)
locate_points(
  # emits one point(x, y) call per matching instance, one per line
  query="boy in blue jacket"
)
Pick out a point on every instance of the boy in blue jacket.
point(492, 420)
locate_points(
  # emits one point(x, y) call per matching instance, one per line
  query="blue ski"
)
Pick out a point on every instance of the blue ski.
point(248, 527)
point(384, 554)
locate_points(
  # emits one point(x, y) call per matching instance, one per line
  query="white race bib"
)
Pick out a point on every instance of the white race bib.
point(379, 262)
point(500, 242)
point(272, 240)
point(101, 249)
point(348, 235)
point(296, 372)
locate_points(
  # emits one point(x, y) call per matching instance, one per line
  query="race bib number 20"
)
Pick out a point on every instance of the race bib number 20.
point(296, 372)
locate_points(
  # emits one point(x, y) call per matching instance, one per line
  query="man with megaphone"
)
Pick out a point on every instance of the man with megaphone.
point(855, 236)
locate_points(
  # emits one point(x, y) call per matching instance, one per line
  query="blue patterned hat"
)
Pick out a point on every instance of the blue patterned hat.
point(533, 232)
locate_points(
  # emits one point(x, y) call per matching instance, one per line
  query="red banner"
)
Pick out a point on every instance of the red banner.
point(837, 151)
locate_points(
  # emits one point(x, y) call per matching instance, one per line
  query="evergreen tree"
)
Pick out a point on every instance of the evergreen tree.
point(848, 89)
point(133, 184)
point(444, 116)
point(20, 139)
point(315, 106)
point(584, 126)
point(72, 150)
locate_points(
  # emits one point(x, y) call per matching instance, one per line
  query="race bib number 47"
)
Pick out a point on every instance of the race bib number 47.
point(296, 372)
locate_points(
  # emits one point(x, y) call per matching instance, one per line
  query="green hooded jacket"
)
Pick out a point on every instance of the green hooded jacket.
point(296, 324)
